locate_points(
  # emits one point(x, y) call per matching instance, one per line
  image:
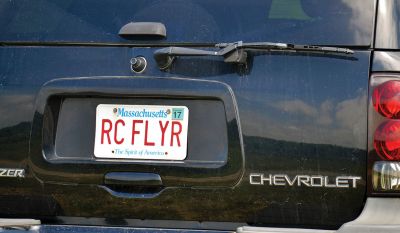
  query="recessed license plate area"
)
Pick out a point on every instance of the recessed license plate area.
point(144, 132)
point(91, 131)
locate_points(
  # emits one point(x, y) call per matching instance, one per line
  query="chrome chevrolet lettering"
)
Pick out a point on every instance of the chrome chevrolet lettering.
point(12, 172)
point(304, 180)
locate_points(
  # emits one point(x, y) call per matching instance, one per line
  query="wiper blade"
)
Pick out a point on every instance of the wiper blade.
point(237, 52)
point(288, 47)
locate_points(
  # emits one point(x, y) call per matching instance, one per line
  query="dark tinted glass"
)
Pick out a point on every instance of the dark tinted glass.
point(332, 22)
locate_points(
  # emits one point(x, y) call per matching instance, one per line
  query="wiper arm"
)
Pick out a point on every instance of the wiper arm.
point(237, 52)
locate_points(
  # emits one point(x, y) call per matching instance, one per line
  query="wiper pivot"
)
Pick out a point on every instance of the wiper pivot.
point(237, 52)
point(232, 53)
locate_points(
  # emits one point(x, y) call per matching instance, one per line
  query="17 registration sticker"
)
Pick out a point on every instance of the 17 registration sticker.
point(151, 132)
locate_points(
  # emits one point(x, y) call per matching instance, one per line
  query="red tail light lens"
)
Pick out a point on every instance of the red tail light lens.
point(386, 99)
point(385, 95)
point(387, 140)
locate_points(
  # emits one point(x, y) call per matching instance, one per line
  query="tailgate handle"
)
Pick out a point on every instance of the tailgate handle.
point(132, 179)
point(133, 184)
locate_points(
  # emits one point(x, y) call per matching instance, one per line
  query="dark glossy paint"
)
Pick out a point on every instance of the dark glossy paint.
point(299, 114)
point(91, 229)
point(345, 22)
point(217, 164)
point(288, 113)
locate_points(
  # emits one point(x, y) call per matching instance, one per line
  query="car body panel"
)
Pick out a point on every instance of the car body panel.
point(285, 114)
point(309, 120)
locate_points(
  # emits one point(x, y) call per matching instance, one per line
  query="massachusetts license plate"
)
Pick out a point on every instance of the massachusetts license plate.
point(141, 132)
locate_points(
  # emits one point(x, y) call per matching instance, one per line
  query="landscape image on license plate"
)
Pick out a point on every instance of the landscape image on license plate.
point(141, 132)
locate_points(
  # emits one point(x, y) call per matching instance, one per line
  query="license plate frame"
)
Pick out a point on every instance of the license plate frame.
point(141, 132)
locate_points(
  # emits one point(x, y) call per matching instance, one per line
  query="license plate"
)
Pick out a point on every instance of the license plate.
point(151, 132)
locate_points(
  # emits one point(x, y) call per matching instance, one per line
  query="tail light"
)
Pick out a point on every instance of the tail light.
point(387, 140)
point(386, 176)
point(384, 125)
point(386, 99)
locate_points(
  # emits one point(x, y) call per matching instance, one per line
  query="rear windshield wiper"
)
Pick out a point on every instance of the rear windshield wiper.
point(237, 52)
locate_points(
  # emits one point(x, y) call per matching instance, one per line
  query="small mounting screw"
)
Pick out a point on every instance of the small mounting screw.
point(115, 110)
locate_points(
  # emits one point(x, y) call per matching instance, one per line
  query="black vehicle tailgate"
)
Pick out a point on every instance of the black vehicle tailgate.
point(281, 144)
